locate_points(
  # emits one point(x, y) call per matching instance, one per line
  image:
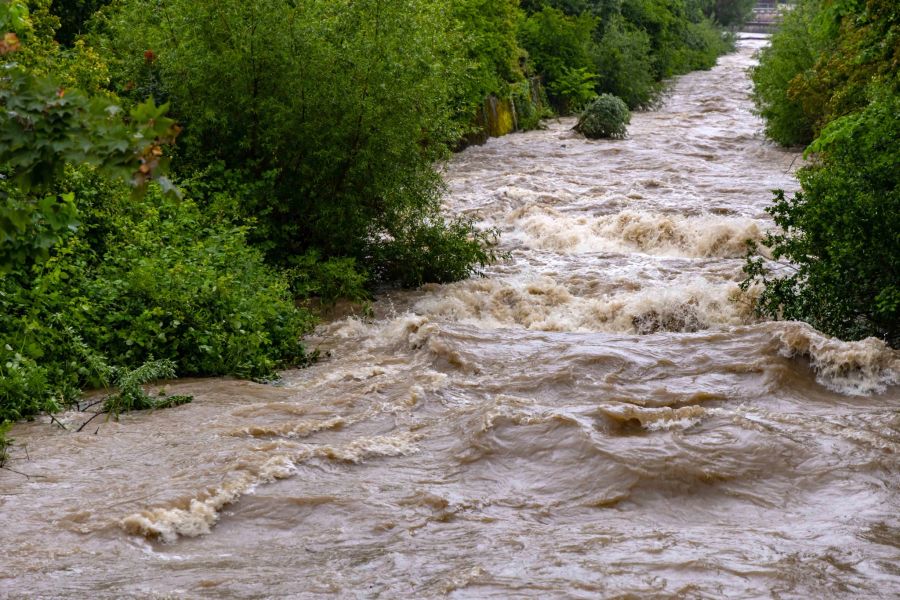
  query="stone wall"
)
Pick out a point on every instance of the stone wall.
point(519, 110)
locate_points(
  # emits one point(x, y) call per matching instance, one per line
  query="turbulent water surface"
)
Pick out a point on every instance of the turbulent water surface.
point(600, 416)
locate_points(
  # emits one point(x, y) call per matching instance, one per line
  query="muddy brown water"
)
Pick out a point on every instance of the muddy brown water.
point(601, 416)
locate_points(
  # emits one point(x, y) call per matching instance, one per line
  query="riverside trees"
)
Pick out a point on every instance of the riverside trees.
point(626, 47)
point(831, 78)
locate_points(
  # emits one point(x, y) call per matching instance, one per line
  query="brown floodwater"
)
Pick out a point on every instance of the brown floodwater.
point(600, 416)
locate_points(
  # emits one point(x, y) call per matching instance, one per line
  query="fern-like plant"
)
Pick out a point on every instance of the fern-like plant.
point(131, 394)
point(575, 88)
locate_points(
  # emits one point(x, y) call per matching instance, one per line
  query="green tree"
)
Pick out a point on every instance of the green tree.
point(98, 257)
point(489, 30)
point(625, 64)
point(800, 41)
point(831, 76)
point(338, 110)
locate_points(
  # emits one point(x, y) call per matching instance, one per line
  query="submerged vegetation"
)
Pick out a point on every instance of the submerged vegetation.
point(830, 79)
point(606, 117)
point(177, 177)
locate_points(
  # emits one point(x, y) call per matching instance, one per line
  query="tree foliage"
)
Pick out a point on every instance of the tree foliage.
point(44, 126)
point(792, 53)
point(339, 108)
point(839, 235)
point(629, 46)
point(559, 44)
point(624, 61)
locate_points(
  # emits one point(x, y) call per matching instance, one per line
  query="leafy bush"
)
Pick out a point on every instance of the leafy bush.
point(340, 109)
point(43, 126)
point(130, 382)
point(328, 280)
point(794, 49)
point(173, 287)
point(488, 30)
point(632, 45)
point(44, 265)
point(832, 72)
point(858, 47)
point(73, 16)
point(701, 45)
point(821, 63)
point(606, 117)
point(531, 103)
point(840, 232)
point(439, 251)
point(162, 285)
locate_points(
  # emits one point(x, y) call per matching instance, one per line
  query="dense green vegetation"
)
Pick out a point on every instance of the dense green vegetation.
point(831, 78)
point(622, 47)
point(177, 177)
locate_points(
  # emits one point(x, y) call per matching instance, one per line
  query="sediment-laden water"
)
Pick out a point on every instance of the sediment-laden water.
point(601, 416)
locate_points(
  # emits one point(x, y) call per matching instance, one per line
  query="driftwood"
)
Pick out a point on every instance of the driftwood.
point(96, 414)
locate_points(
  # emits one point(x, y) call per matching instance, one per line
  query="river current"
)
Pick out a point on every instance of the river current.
point(599, 416)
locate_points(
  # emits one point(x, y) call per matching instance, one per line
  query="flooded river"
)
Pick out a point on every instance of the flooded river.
point(600, 416)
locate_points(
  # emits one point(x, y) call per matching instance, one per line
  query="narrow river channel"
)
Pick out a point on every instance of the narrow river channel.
point(600, 416)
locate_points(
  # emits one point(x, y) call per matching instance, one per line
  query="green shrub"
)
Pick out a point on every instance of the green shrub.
point(328, 280)
point(438, 251)
point(701, 45)
point(530, 102)
point(158, 283)
point(130, 383)
point(841, 232)
point(606, 117)
point(681, 39)
point(340, 109)
point(632, 45)
point(172, 287)
point(489, 30)
point(832, 72)
point(73, 16)
point(45, 125)
point(858, 47)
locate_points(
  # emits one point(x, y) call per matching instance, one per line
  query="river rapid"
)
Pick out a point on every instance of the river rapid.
point(600, 416)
